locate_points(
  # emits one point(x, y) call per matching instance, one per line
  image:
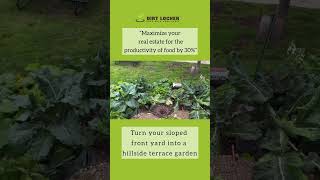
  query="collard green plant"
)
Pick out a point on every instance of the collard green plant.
point(125, 99)
point(279, 111)
point(51, 111)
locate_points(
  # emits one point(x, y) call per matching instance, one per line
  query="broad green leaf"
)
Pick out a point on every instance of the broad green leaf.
point(279, 167)
point(313, 119)
point(275, 140)
point(312, 162)
point(245, 129)
point(195, 115)
point(21, 134)
point(122, 108)
point(129, 88)
point(72, 96)
point(199, 114)
point(70, 88)
point(7, 106)
point(253, 91)
point(62, 86)
point(68, 130)
point(24, 116)
point(60, 155)
point(21, 101)
point(314, 101)
point(114, 104)
point(312, 133)
point(204, 103)
point(132, 103)
point(6, 85)
point(41, 146)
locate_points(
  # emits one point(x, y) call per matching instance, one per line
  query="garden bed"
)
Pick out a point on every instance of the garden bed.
point(162, 99)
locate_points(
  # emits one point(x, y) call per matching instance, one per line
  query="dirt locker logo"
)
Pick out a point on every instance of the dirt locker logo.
point(142, 18)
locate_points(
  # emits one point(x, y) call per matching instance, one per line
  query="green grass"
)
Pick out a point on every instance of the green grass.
point(45, 34)
point(232, 32)
point(154, 71)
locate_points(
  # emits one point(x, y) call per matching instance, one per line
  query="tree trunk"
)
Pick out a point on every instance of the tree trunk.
point(283, 8)
point(281, 18)
point(195, 69)
point(198, 67)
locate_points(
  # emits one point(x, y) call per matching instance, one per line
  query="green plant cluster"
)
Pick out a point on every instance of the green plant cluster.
point(276, 110)
point(51, 119)
point(127, 98)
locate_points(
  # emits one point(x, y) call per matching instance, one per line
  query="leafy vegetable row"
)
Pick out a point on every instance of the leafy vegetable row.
point(128, 97)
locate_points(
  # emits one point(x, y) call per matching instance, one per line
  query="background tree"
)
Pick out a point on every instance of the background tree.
point(195, 69)
point(281, 18)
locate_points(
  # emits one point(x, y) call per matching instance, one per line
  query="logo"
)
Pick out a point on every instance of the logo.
point(140, 18)
point(158, 19)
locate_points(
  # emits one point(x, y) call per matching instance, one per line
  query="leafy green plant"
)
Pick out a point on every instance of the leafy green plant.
point(194, 96)
point(50, 111)
point(22, 168)
point(279, 111)
point(161, 88)
point(125, 99)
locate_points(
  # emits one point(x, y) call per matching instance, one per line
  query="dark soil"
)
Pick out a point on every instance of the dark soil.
point(97, 164)
point(181, 114)
point(145, 115)
point(229, 168)
point(96, 172)
point(161, 111)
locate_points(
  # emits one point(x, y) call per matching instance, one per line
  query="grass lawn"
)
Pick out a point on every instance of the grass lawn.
point(47, 31)
point(154, 71)
point(235, 28)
